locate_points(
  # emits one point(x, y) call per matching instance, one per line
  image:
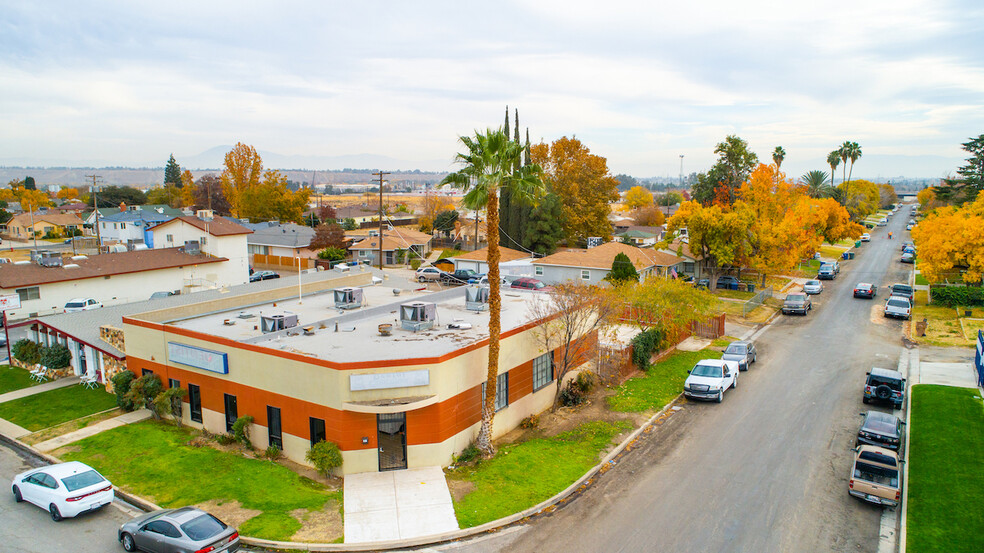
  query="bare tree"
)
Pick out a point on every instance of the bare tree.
point(570, 318)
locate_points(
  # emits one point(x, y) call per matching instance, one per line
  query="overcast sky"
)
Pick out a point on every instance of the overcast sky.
point(128, 83)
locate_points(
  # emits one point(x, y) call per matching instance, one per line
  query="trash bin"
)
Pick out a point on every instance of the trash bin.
point(733, 286)
point(857, 244)
point(850, 255)
point(751, 287)
point(844, 256)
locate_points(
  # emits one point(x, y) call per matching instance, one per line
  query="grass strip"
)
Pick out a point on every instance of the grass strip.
point(56, 406)
point(13, 378)
point(660, 384)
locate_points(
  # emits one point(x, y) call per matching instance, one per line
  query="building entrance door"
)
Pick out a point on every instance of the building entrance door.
point(391, 437)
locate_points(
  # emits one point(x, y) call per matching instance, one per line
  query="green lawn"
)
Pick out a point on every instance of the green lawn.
point(12, 378)
point(56, 406)
point(445, 254)
point(661, 383)
point(525, 474)
point(154, 460)
point(921, 280)
point(946, 485)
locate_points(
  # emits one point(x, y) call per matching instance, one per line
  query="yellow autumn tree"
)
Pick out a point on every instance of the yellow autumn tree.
point(582, 182)
point(860, 197)
point(31, 200)
point(717, 236)
point(637, 197)
point(187, 189)
point(952, 239)
point(243, 170)
point(68, 193)
point(272, 199)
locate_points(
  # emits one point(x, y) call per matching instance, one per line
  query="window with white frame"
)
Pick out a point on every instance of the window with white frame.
point(585, 274)
point(122, 226)
point(30, 293)
point(501, 392)
point(538, 270)
point(543, 372)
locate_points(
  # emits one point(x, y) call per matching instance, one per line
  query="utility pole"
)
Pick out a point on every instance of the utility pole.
point(380, 175)
point(95, 204)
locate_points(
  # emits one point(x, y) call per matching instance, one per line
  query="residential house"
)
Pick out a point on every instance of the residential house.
point(359, 213)
point(42, 223)
point(592, 265)
point(130, 227)
point(394, 240)
point(642, 236)
point(692, 264)
point(217, 236)
point(280, 239)
point(477, 260)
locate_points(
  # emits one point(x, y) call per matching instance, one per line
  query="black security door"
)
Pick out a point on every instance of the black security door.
point(391, 436)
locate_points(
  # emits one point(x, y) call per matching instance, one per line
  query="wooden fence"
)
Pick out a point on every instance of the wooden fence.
point(280, 263)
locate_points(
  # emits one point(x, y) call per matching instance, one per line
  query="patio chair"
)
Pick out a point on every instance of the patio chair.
point(89, 380)
point(39, 373)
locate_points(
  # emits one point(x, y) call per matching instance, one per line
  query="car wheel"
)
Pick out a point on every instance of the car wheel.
point(865, 400)
point(735, 383)
point(128, 544)
point(55, 513)
point(421, 279)
point(17, 495)
point(720, 397)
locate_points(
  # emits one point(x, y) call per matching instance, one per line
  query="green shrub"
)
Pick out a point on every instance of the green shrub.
point(143, 391)
point(240, 430)
point(55, 357)
point(325, 456)
point(225, 439)
point(645, 344)
point(26, 351)
point(415, 264)
point(584, 381)
point(332, 254)
point(121, 387)
point(272, 453)
point(957, 296)
point(468, 455)
point(168, 403)
point(572, 394)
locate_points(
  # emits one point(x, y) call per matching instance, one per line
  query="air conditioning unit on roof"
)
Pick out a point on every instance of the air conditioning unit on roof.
point(418, 316)
point(348, 298)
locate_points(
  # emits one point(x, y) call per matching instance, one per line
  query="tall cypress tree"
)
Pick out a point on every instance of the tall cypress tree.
point(504, 202)
point(172, 173)
point(29, 184)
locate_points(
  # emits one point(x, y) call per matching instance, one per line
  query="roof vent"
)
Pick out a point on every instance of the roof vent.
point(79, 257)
point(418, 316)
point(348, 298)
point(71, 266)
point(476, 298)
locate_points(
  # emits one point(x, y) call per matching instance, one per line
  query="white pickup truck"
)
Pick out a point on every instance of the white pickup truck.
point(710, 378)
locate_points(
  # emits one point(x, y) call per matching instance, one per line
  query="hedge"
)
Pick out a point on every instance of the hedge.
point(956, 296)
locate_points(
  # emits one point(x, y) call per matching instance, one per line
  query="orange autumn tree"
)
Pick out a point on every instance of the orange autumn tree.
point(952, 239)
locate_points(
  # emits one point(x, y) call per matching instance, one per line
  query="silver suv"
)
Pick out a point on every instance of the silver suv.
point(184, 529)
point(898, 307)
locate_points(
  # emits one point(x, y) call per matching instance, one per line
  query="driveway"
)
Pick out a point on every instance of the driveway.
point(767, 469)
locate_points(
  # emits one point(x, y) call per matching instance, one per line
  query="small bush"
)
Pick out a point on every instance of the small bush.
point(325, 456)
point(168, 403)
point(143, 391)
point(240, 430)
point(585, 381)
point(468, 455)
point(55, 357)
point(415, 264)
point(26, 351)
point(645, 344)
point(571, 395)
point(531, 421)
point(332, 254)
point(225, 439)
point(957, 296)
point(272, 453)
point(121, 387)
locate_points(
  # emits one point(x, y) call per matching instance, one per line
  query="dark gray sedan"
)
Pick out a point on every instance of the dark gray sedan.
point(741, 351)
point(184, 530)
point(880, 429)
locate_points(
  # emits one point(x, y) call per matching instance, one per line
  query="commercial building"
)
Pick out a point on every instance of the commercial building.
point(395, 380)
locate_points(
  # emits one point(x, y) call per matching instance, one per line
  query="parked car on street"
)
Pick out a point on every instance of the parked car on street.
point(428, 273)
point(813, 287)
point(876, 476)
point(884, 385)
point(908, 257)
point(865, 290)
point(173, 530)
point(797, 303)
point(64, 490)
point(903, 290)
point(909, 227)
point(81, 304)
point(826, 272)
point(834, 264)
point(880, 429)
point(710, 378)
point(741, 351)
point(263, 275)
point(526, 283)
point(866, 237)
point(907, 245)
point(898, 307)
point(461, 276)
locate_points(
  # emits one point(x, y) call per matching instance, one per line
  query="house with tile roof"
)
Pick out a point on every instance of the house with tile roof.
point(592, 265)
point(41, 223)
point(219, 236)
point(394, 240)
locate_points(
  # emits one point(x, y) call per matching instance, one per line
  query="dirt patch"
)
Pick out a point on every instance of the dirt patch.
point(459, 488)
point(324, 526)
point(69, 449)
point(229, 512)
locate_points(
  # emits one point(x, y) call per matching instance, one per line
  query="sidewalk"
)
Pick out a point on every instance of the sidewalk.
point(65, 439)
point(399, 504)
point(50, 385)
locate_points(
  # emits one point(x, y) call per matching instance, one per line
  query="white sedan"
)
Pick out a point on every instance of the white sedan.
point(866, 237)
point(710, 378)
point(64, 490)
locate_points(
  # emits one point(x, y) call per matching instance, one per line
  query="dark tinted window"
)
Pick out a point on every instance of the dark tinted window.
point(317, 430)
point(736, 349)
point(162, 527)
point(203, 527)
point(274, 432)
point(898, 303)
point(890, 382)
point(885, 428)
point(82, 480)
point(195, 401)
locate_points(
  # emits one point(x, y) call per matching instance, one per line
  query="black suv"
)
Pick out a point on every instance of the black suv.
point(903, 290)
point(884, 385)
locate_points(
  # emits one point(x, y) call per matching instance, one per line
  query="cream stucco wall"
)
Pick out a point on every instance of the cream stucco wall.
point(231, 247)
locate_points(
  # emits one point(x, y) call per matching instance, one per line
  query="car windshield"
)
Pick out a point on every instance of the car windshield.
point(203, 527)
point(883, 427)
point(898, 303)
point(75, 304)
point(736, 349)
point(876, 474)
point(538, 285)
point(795, 297)
point(707, 370)
point(812, 282)
point(82, 480)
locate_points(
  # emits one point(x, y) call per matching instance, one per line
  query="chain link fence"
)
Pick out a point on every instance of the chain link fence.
point(756, 301)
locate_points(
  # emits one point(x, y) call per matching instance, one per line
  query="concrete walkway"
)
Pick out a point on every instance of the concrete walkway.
point(50, 385)
point(397, 504)
point(65, 439)
point(11, 430)
point(961, 375)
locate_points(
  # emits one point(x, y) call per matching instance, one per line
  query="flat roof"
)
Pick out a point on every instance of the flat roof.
point(357, 338)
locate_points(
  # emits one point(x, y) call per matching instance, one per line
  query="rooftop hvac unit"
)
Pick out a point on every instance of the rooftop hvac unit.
point(36, 255)
point(595, 241)
point(192, 247)
point(49, 259)
point(417, 316)
point(476, 298)
point(348, 298)
point(277, 321)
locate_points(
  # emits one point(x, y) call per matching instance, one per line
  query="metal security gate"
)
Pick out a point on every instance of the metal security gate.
point(391, 437)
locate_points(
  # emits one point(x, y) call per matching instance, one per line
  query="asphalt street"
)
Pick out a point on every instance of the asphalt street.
point(767, 469)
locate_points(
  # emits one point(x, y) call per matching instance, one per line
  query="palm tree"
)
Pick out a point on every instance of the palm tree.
point(490, 167)
point(844, 153)
point(816, 184)
point(833, 159)
point(778, 155)
point(853, 153)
